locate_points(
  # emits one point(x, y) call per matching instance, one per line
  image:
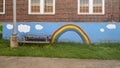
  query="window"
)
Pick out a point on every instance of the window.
point(48, 6)
point(41, 7)
point(35, 6)
point(91, 6)
point(2, 6)
point(84, 6)
point(97, 6)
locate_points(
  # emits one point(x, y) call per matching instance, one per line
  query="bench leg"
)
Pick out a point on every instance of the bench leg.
point(46, 39)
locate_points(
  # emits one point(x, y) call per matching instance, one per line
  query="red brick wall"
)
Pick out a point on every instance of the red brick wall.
point(116, 10)
point(7, 17)
point(66, 11)
point(119, 11)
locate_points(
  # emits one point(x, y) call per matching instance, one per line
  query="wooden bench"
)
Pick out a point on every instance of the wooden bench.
point(30, 38)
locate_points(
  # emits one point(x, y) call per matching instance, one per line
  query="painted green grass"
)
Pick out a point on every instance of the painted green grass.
point(63, 50)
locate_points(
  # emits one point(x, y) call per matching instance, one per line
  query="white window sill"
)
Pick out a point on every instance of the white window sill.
point(91, 14)
point(2, 12)
point(41, 14)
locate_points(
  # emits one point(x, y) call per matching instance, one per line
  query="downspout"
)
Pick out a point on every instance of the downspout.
point(14, 37)
point(14, 17)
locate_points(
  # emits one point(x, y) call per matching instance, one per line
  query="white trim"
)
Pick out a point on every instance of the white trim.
point(78, 7)
point(103, 7)
point(91, 8)
point(3, 8)
point(41, 8)
point(29, 9)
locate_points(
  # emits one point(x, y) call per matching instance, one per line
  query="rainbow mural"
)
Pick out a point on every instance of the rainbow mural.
point(70, 27)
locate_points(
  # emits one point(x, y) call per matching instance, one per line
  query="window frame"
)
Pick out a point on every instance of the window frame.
point(41, 8)
point(3, 8)
point(91, 8)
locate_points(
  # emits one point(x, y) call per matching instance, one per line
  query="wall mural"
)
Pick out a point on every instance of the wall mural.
point(67, 32)
point(38, 27)
point(24, 28)
point(70, 27)
point(9, 26)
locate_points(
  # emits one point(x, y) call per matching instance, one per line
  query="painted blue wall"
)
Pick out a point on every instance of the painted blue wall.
point(101, 32)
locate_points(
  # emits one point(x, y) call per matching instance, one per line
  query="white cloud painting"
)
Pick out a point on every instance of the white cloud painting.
point(102, 30)
point(111, 26)
point(23, 28)
point(9, 26)
point(38, 27)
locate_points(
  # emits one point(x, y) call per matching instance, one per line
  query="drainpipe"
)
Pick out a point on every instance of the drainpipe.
point(14, 17)
point(14, 37)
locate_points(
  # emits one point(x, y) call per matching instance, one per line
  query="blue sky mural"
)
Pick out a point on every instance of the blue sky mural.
point(97, 32)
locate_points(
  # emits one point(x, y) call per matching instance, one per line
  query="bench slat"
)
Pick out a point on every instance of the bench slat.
point(28, 37)
point(33, 42)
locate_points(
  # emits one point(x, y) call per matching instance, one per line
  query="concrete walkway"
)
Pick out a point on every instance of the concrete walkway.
point(30, 62)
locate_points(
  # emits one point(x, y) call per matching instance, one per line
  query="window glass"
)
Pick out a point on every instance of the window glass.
point(84, 6)
point(97, 6)
point(1, 5)
point(35, 5)
point(41, 6)
point(48, 6)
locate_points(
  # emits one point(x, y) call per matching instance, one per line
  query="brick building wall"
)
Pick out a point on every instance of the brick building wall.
point(65, 11)
point(119, 10)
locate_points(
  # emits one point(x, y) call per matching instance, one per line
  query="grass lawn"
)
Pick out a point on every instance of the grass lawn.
point(63, 50)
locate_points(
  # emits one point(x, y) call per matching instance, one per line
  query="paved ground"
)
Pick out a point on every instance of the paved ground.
point(30, 62)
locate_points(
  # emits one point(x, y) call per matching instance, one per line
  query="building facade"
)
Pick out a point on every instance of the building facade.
point(84, 21)
point(62, 11)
